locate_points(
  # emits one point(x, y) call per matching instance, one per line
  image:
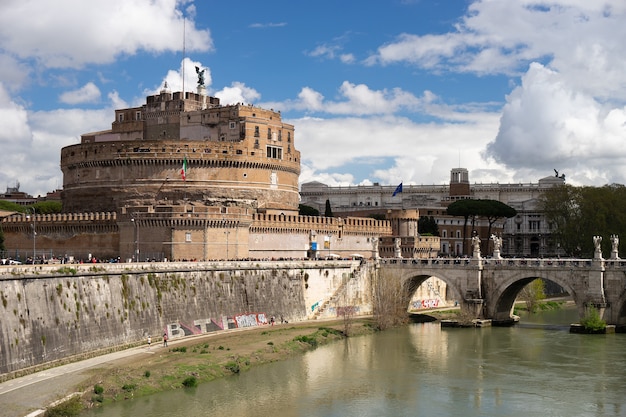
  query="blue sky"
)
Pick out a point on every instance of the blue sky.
point(379, 91)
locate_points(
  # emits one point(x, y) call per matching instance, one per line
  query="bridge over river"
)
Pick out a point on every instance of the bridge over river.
point(487, 288)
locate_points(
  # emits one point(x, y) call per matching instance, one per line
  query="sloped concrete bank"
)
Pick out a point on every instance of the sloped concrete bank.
point(55, 313)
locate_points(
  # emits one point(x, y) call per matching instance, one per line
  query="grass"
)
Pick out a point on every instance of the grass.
point(196, 360)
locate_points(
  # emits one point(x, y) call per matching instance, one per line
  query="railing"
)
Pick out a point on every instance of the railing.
point(508, 262)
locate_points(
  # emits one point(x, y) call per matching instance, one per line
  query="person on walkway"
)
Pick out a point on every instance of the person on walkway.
point(164, 339)
point(149, 341)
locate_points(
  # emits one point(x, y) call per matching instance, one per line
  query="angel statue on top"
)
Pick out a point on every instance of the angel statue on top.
point(200, 76)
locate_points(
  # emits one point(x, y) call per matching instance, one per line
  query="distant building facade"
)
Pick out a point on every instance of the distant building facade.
point(527, 234)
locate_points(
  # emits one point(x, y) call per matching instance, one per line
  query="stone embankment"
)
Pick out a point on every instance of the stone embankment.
point(56, 313)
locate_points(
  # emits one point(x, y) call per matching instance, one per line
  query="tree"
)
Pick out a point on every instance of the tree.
point(466, 209)
point(47, 207)
point(532, 294)
point(390, 300)
point(576, 214)
point(427, 225)
point(329, 211)
point(9, 206)
point(493, 210)
point(305, 210)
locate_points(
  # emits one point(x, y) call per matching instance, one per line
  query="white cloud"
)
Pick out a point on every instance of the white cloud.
point(580, 39)
point(237, 93)
point(72, 33)
point(547, 123)
point(88, 93)
point(33, 140)
point(330, 144)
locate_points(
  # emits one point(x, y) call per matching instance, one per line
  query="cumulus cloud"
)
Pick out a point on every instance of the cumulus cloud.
point(547, 123)
point(329, 144)
point(73, 33)
point(88, 93)
point(580, 39)
point(33, 141)
point(237, 93)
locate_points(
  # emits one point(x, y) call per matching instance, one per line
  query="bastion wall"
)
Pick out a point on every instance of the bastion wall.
point(54, 312)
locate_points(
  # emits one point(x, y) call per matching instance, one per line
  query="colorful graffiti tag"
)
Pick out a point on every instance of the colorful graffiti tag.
point(179, 329)
point(429, 303)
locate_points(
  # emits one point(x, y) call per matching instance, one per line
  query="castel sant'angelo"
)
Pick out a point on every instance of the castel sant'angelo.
point(184, 177)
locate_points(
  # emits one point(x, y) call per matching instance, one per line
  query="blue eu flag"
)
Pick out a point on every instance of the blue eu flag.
point(398, 190)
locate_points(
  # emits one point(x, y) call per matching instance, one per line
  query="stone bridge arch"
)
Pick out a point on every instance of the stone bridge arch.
point(503, 291)
point(460, 282)
point(411, 282)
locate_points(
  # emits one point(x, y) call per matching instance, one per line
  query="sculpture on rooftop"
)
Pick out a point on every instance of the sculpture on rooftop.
point(200, 76)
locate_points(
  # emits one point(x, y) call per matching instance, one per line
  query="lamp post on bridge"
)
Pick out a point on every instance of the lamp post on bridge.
point(136, 223)
point(34, 234)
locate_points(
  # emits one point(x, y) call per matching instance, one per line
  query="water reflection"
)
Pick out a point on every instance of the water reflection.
point(419, 370)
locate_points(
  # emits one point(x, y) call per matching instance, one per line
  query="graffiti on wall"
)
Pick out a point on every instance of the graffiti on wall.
point(179, 329)
point(428, 303)
point(347, 311)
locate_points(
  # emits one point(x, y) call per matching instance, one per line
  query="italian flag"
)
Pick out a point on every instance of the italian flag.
point(183, 170)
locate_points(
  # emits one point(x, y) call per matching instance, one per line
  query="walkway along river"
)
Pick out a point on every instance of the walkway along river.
point(531, 369)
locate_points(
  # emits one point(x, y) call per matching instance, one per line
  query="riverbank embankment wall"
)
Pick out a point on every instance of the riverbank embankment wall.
point(54, 312)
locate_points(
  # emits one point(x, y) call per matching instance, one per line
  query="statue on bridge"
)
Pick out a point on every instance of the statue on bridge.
point(375, 247)
point(476, 245)
point(397, 249)
point(497, 246)
point(614, 247)
point(597, 241)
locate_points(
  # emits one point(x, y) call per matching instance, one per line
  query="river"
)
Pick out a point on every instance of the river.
point(536, 368)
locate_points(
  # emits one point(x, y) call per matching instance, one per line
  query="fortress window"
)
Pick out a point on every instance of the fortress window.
point(256, 132)
point(289, 137)
point(274, 152)
point(280, 135)
point(233, 125)
point(188, 237)
point(269, 133)
point(120, 117)
point(239, 152)
point(138, 115)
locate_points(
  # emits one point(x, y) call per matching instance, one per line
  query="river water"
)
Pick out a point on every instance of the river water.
point(536, 368)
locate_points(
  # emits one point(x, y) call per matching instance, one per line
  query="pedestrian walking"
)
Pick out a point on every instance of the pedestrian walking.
point(164, 339)
point(149, 341)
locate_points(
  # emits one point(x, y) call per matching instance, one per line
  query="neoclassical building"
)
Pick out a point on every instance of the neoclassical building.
point(527, 234)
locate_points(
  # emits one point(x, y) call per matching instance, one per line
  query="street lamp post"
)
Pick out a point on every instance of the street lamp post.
point(227, 233)
point(34, 235)
point(135, 222)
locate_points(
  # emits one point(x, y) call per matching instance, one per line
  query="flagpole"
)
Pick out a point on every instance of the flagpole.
point(184, 30)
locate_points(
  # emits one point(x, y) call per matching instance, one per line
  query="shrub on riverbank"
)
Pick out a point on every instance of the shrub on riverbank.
point(592, 321)
point(215, 356)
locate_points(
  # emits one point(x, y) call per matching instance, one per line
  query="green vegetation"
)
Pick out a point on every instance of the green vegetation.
point(427, 226)
point(328, 212)
point(69, 408)
point(491, 210)
point(579, 213)
point(532, 294)
point(305, 210)
point(190, 382)
point(592, 321)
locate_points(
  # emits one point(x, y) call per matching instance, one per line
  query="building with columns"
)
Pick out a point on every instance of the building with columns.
point(527, 234)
